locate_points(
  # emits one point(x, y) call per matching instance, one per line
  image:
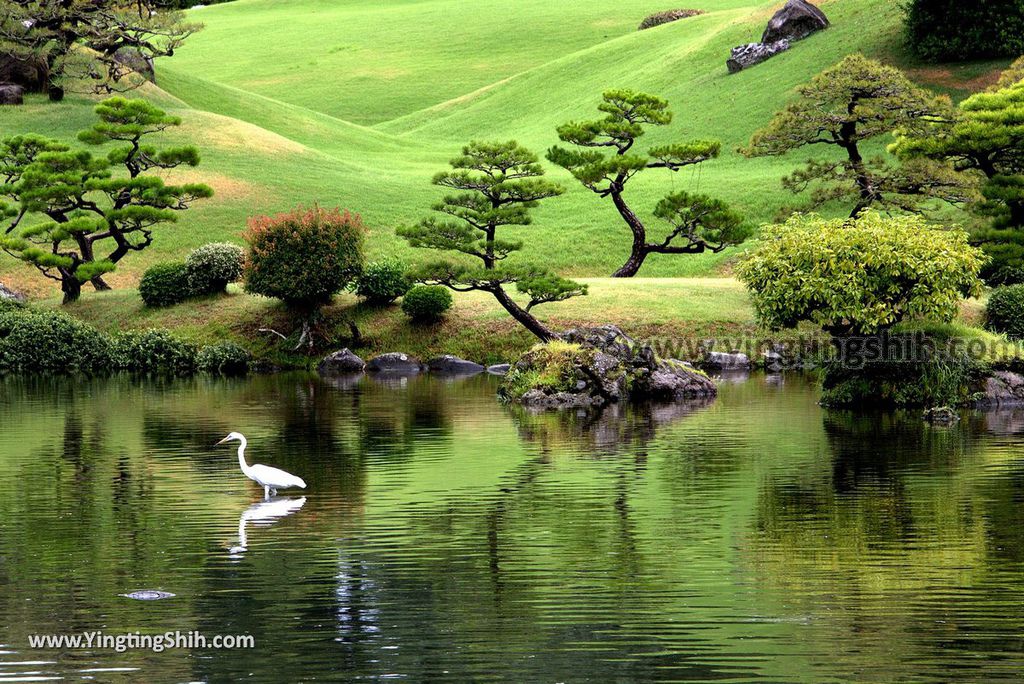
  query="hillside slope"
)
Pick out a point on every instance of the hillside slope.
point(359, 103)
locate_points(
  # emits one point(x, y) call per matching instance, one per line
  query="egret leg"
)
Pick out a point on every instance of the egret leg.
point(266, 492)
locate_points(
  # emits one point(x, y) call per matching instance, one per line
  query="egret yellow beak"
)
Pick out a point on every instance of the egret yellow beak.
point(221, 441)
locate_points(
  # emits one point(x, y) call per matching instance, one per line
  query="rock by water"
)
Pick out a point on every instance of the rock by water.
point(341, 362)
point(397, 363)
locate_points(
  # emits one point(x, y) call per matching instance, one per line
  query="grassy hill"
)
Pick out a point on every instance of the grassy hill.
point(359, 103)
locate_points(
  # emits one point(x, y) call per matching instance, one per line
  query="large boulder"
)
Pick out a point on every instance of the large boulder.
point(31, 73)
point(11, 94)
point(499, 369)
point(453, 365)
point(395, 363)
point(797, 20)
point(342, 362)
point(137, 61)
point(751, 54)
point(594, 367)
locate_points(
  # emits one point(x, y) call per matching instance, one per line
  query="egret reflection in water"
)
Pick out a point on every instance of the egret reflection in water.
point(264, 513)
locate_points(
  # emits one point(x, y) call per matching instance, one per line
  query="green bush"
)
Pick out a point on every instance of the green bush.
point(950, 30)
point(50, 342)
point(211, 267)
point(426, 303)
point(10, 304)
point(165, 284)
point(382, 282)
point(1004, 312)
point(224, 358)
point(154, 351)
point(855, 277)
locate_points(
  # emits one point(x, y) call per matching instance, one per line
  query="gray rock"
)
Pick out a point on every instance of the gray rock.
point(773, 361)
point(453, 365)
point(6, 293)
point(1002, 388)
point(659, 18)
point(396, 363)
point(722, 361)
point(499, 369)
point(149, 595)
point(341, 362)
point(608, 368)
point(797, 20)
point(751, 54)
point(32, 74)
point(137, 61)
point(11, 94)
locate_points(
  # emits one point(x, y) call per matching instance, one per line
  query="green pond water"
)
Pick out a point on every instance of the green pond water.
point(446, 538)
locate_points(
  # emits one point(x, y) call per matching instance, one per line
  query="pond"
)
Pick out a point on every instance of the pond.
point(444, 537)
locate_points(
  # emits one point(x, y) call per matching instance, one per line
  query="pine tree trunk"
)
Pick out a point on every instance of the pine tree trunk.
point(100, 284)
point(71, 288)
point(639, 250)
point(528, 320)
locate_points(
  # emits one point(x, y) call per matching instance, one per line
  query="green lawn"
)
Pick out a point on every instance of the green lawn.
point(688, 309)
point(359, 103)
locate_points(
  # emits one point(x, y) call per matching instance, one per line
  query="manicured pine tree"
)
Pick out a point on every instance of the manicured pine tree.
point(495, 184)
point(985, 136)
point(76, 219)
point(856, 101)
point(694, 226)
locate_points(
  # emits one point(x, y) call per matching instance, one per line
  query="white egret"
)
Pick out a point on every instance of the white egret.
point(271, 479)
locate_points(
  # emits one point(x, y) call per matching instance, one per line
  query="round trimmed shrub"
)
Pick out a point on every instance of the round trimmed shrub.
point(154, 351)
point(382, 282)
point(224, 358)
point(165, 284)
point(304, 256)
point(211, 267)
point(50, 342)
point(426, 303)
point(1004, 312)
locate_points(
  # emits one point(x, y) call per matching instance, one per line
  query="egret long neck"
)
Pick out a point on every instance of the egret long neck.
point(241, 456)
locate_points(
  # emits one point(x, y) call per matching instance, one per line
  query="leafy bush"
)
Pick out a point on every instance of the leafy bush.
point(659, 18)
point(10, 304)
point(154, 351)
point(426, 303)
point(382, 282)
point(1002, 274)
point(211, 267)
point(165, 284)
point(859, 276)
point(942, 30)
point(50, 342)
point(304, 256)
point(1004, 312)
point(224, 358)
point(945, 380)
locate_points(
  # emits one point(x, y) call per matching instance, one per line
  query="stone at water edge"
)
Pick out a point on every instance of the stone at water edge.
point(499, 369)
point(797, 20)
point(395, 362)
point(453, 365)
point(605, 367)
point(719, 361)
point(941, 415)
point(1002, 388)
point(11, 94)
point(341, 362)
point(751, 54)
